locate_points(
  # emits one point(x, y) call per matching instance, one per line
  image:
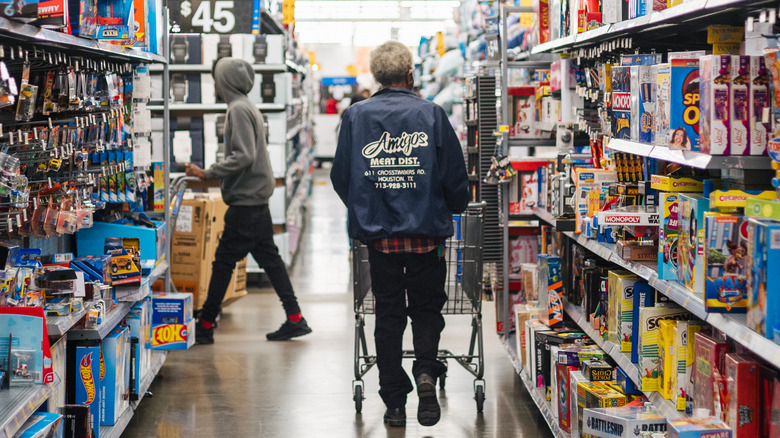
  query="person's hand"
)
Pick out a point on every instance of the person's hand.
point(194, 170)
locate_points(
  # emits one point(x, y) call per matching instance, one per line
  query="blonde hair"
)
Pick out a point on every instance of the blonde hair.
point(390, 63)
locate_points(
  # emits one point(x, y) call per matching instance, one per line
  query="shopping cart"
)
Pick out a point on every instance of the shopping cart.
point(463, 253)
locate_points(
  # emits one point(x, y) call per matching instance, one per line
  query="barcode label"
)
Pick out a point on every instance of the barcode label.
point(774, 239)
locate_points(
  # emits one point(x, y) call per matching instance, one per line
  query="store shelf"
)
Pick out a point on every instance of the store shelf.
point(158, 359)
point(19, 403)
point(269, 24)
point(37, 35)
point(204, 68)
point(690, 158)
point(58, 325)
point(212, 107)
point(559, 224)
point(671, 20)
point(117, 429)
point(112, 319)
point(529, 64)
point(293, 67)
point(665, 407)
point(294, 131)
point(532, 143)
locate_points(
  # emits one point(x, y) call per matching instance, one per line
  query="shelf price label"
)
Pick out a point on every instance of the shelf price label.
point(211, 16)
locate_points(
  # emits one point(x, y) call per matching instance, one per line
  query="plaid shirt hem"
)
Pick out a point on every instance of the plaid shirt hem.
point(407, 244)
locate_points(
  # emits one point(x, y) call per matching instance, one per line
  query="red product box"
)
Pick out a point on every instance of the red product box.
point(709, 356)
point(770, 402)
point(743, 376)
point(565, 408)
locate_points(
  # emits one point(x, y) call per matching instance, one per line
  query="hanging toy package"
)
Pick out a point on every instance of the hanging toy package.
point(501, 170)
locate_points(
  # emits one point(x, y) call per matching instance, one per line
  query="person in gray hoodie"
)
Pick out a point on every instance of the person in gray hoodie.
point(247, 183)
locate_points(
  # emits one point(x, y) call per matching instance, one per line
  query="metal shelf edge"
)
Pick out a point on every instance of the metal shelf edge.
point(99, 332)
point(37, 395)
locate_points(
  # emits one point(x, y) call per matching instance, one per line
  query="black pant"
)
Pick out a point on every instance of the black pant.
point(248, 230)
point(412, 285)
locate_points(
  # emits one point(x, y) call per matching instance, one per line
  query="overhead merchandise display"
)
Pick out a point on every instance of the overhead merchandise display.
point(650, 305)
point(81, 335)
point(283, 92)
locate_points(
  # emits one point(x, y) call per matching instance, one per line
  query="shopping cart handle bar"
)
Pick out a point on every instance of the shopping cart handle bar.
point(480, 204)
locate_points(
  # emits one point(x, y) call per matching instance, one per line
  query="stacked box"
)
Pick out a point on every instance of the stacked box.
point(709, 427)
point(621, 102)
point(668, 357)
point(644, 296)
point(564, 399)
point(139, 321)
point(739, 99)
point(684, 104)
point(532, 327)
point(743, 376)
point(714, 80)
point(681, 379)
point(663, 94)
point(649, 342)
point(709, 355)
point(668, 235)
point(623, 422)
point(88, 382)
point(173, 326)
point(725, 261)
point(690, 253)
point(597, 371)
point(544, 357)
point(596, 395)
point(621, 293)
point(575, 378)
point(114, 397)
point(551, 286)
point(759, 100)
point(642, 103)
point(764, 281)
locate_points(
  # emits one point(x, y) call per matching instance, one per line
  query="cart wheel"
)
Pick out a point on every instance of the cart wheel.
point(479, 396)
point(358, 397)
point(442, 381)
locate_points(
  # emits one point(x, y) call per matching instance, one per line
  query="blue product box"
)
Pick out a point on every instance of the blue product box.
point(171, 308)
point(763, 288)
point(91, 240)
point(551, 286)
point(626, 384)
point(569, 357)
point(641, 59)
point(42, 425)
point(644, 296)
point(91, 11)
point(621, 102)
point(88, 382)
point(690, 249)
point(114, 386)
point(684, 104)
point(668, 235)
point(708, 427)
point(173, 336)
point(725, 262)
point(94, 267)
point(134, 322)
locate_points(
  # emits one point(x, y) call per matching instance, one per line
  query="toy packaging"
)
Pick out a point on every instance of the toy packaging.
point(644, 296)
point(683, 104)
point(30, 353)
point(649, 337)
point(743, 377)
point(714, 80)
point(668, 357)
point(77, 421)
point(668, 234)
point(627, 386)
point(596, 395)
point(575, 378)
point(88, 382)
point(621, 293)
point(643, 103)
point(621, 102)
point(173, 326)
point(764, 279)
point(139, 322)
point(725, 251)
point(709, 356)
point(709, 427)
point(564, 397)
point(523, 105)
point(597, 371)
point(623, 422)
point(544, 355)
point(759, 99)
point(114, 391)
point(682, 377)
point(531, 328)
point(739, 99)
point(663, 94)
point(41, 425)
point(690, 252)
point(173, 336)
point(551, 286)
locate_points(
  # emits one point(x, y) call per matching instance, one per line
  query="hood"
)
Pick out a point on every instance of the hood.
point(234, 78)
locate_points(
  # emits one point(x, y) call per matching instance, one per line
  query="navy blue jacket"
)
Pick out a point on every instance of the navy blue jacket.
point(399, 168)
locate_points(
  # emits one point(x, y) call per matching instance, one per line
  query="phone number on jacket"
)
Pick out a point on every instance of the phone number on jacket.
point(398, 185)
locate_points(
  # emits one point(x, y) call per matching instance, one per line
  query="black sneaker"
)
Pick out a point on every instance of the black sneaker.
point(395, 417)
point(290, 330)
point(204, 335)
point(428, 411)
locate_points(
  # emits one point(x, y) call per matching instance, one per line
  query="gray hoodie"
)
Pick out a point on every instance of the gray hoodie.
point(246, 174)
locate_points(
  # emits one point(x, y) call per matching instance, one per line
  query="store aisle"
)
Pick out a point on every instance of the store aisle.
point(245, 386)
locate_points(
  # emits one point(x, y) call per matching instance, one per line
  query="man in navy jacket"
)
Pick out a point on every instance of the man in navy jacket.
point(400, 171)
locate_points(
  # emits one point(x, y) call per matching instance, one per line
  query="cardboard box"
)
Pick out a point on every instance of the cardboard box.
point(764, 285)
point(672, 184)
point(564, 399)
point(523, 314)
point(623, 422)
point(633, 252)
point(683, 350)
point(668, 236)
point(683, 104)
point(91, 241)
point(597, 371)
point(649, 342)
point(532, 327)
point(173, 336)
point(575, 378)
point(709, 427)
point(715, 89)
point(595, 395)
point(171, 308)
point(620, 319)
point(88, 382)
point(743, 376)
point(710, 357)
point(759, 99)
point(725, 260)
point(522, 115)
point(663, 95)
point(621, 102)
point(77, 421)
point(114, 387)
point(669, 359)
point(690, 252)
point(138, 322)
point(739, 99)
point(551, 286)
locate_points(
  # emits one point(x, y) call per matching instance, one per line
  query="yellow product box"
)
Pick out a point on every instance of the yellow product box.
point(725, 49)
point(671, 184)
point(620, 308)
point(648, 334)
point(737, 198)
point(681, 379)
point(720, 34)
point(666, 354)
point(596, 395)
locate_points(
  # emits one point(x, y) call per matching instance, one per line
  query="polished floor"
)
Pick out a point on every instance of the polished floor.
point(245, 386)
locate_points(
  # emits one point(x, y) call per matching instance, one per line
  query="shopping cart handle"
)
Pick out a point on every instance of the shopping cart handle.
point(180, 182)
point(474, 205)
